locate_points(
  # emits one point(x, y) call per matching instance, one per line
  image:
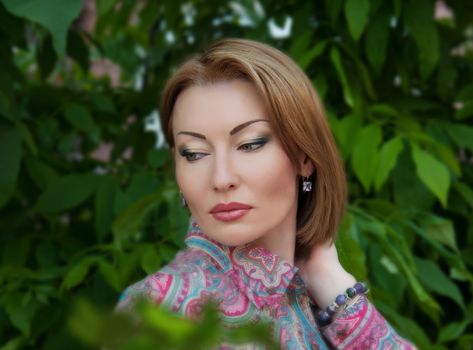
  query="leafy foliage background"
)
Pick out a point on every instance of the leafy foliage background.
point(87, 196)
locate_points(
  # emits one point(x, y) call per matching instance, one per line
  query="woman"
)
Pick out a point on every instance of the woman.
point(259, 170)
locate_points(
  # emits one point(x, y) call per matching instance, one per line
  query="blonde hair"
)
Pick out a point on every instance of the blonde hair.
point(297, 117)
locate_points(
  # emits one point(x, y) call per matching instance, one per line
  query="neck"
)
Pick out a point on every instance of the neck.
point(281, 242)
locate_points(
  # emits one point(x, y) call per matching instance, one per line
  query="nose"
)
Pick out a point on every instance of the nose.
point(224, 176)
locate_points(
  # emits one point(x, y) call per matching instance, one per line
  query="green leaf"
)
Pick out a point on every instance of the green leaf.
point(150, 260)
point(395, 253)
point(466, 111)
point(305, 60)
point(408, 190)
point(432, 173)
point(10, 157)
point(27, 137)
point(300, 45)
point(159, 158)
point(320, 85)
point(465, 94)
point(333, 9)
point(434, 279)
point(364, 76)
point(407, 327)
point(440, 229)
point(415, 332)
point(346, 131)
point(104, 205)
point(79, 117)
point(337, 62)
point(16, 252)
point(67, 142)
point(447, 74)
point(377, 36)
point(365, 156)
point(448, 157)
point(142, 183)
point(387, 160)
point(462, 135)
point(174, 326)
point(103, 6)
point(46, 255)
point(386, 276)
point(349, 250)
point(167, 252)
point(15, 343)
point(21, 311)
point(425, 298)
point(356, 12)
point(103, 103)
point(66, 192)
point(55, 15)
point(78, 50)
point(86, 323)
point(451, 331)
point(110, 275)
point(388, 264)
point(128, 223)
point(383, 109)
point(46, 57)
point(77, 273)
point(464, 341)
point(39, 172)
point(465, 191)
point(419, 17)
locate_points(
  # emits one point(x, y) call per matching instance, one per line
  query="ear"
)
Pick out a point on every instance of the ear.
point(307, 167)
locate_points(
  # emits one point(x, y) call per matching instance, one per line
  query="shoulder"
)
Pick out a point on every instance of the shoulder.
point(182, 285)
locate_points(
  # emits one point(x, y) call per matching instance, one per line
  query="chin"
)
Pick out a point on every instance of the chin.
point(231, 236)
point(233, 242)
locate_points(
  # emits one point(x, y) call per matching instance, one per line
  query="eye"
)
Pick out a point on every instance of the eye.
point(192, 156)
point(253, 146)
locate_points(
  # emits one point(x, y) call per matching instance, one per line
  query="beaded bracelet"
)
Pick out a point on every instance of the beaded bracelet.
point(324, 317)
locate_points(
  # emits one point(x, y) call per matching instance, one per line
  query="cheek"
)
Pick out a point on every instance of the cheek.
point(183, 177)
point(192, 181)
point(276, 178)
point(180, 175)
point(271, 177)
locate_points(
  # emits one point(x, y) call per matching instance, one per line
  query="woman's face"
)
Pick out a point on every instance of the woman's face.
point(239, 184)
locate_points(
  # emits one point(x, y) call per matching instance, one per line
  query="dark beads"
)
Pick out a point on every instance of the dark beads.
point(332, 309)
point(351, 292)
point(360, 287)
point(323, 318)
point(341, 299)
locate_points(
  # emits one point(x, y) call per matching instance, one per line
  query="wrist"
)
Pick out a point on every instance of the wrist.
point(327, 283)
point(343, 301)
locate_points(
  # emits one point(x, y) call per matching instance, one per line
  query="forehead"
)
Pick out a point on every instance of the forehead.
point(220, 105)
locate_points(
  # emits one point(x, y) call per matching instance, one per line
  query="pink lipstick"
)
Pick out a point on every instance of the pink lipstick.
point(230, 212)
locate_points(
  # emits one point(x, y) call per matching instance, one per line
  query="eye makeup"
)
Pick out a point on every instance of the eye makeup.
point(253, 145)
point(245, 146)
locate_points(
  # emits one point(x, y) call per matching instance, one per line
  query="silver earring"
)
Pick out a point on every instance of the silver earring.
point(182, 200)
point(306, 185)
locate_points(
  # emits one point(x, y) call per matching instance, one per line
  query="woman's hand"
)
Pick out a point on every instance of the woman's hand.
point(324, 275)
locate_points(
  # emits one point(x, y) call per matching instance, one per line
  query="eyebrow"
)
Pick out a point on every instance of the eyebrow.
point(236, 129)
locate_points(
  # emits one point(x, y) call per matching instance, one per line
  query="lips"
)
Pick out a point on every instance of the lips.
point(230, 212)
point(229, 207)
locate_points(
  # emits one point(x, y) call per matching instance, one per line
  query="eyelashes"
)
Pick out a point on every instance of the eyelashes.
point(254, 145)
point(246, 147)
point(192, 156)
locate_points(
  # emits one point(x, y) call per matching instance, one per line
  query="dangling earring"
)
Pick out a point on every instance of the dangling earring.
point(306, 185)
point(182, 200)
